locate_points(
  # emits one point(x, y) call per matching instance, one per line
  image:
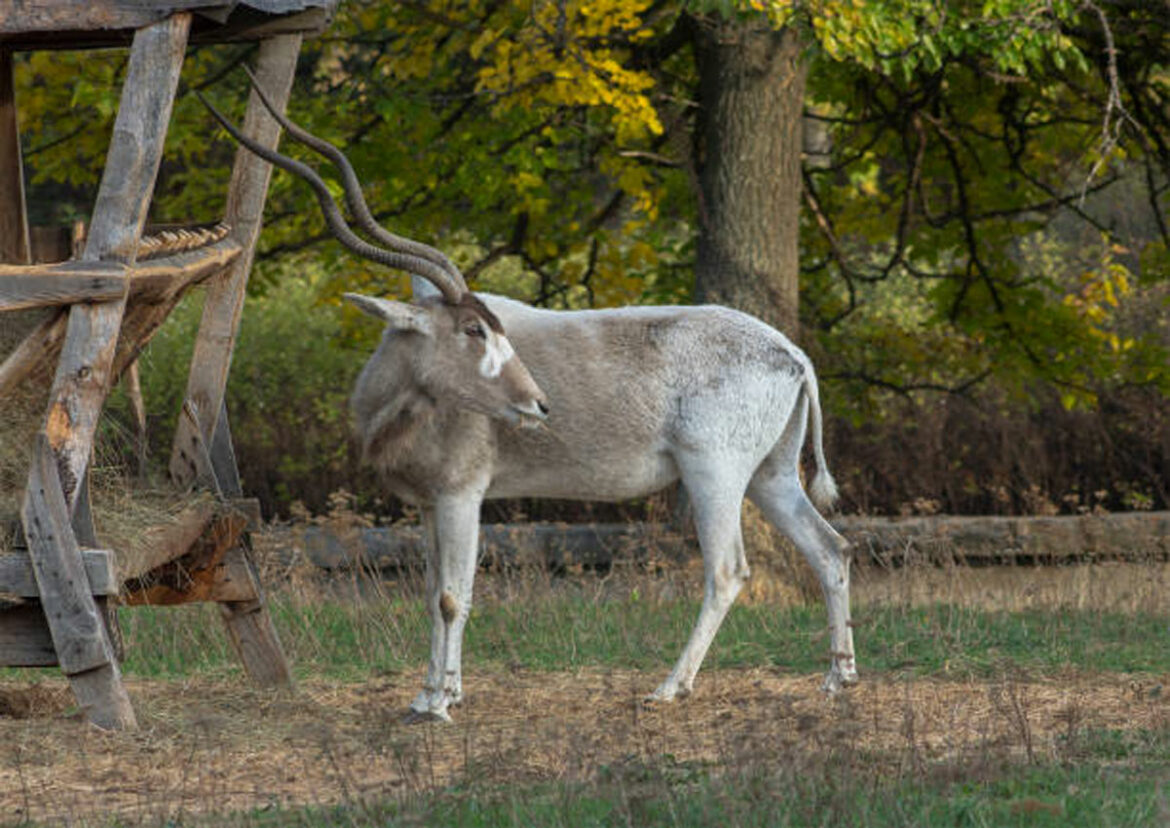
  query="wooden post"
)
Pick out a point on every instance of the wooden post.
point(83, 376)
point(212, 357)
point(248, 622)
point(14, 244)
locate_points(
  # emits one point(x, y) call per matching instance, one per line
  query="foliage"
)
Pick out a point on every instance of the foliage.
point(970, 166)
point(552, 137)
point(990, 211)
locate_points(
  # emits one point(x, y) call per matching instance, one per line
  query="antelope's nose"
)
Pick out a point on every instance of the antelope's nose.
point(542, 405)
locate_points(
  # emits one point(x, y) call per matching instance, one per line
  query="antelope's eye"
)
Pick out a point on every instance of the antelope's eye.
point(474, 329)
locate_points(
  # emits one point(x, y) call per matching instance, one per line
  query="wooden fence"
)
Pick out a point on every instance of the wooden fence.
point(1133, 536)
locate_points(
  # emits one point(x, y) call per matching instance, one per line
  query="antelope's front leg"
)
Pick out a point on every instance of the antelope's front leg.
point(453, 529)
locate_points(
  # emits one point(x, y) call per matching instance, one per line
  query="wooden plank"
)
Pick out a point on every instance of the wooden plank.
point(83, 528)
point(234, 583)
point(14, 240)
point(70, 24)
point(99, 15)
point(248, 622)
point(60, 287)
point(156, 287)
point(76, 624)
point(166, 277)
point(191, 577)
point(223, 459)
point(25, 640)
point(211, 360)
point(17, 576)
point(197, 468)
point(167, 542)
point(56, 559)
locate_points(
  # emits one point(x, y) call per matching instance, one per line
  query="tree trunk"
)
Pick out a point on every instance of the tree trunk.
point(747, 154)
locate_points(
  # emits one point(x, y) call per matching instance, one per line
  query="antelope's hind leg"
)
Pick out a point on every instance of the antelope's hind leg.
point(783, 501)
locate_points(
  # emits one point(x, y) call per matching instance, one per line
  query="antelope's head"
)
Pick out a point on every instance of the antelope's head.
point(461, 352)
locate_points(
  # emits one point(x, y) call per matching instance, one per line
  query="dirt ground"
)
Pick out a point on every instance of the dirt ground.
point(216, 746)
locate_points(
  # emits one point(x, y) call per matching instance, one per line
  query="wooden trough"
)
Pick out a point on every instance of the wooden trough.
point(58, 594)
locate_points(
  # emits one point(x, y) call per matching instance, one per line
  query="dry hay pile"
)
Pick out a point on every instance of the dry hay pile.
point(128, 514)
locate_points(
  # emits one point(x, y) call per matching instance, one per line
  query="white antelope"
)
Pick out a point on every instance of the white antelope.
point(628, 400)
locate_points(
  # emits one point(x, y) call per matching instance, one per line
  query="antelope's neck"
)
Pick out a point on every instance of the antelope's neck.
point(421, 449)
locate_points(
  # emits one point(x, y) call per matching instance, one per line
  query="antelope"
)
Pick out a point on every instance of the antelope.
point(471, 397)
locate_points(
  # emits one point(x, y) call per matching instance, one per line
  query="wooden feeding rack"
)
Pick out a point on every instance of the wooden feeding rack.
point(109, 302)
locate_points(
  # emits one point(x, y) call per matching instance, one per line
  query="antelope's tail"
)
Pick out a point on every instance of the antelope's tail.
point(823, 489)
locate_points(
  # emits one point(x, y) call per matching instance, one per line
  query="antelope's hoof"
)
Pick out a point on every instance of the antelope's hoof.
point(412, 716)
point(665, 695)
point(836, 681)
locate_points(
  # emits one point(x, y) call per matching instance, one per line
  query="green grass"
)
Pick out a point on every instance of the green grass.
point(346, 639)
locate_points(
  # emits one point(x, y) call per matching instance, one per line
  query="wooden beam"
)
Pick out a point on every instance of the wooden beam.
point(244, 213)
point(25, 640)
point(250, 626)
point(168, 276)
point(109, 23)
point(192, 577)
point(14, 243)
point(248, 622)
point(65, 283)
point(156, 288)
point(18, 578)
point(166, 542)
point(196, 455)
point(83, 374)
point(223, 461)
point(60, 285)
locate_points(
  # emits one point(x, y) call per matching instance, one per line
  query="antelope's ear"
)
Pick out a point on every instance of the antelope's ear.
point(397, 315)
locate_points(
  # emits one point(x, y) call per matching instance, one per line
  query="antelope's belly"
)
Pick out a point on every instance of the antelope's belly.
point(599, 477)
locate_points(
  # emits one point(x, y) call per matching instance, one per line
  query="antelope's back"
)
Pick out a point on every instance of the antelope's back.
point(631, 390)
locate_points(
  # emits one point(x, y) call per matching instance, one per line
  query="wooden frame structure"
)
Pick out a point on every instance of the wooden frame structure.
point(111, 300)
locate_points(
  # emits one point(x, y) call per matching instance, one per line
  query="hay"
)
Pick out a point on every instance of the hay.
point(127, 513)
point(780, 575)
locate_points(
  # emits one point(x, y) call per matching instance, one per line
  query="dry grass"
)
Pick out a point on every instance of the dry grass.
point(1103, 587)
point(207, 746)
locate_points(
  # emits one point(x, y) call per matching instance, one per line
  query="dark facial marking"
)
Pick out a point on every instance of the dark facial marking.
point(475, 304)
